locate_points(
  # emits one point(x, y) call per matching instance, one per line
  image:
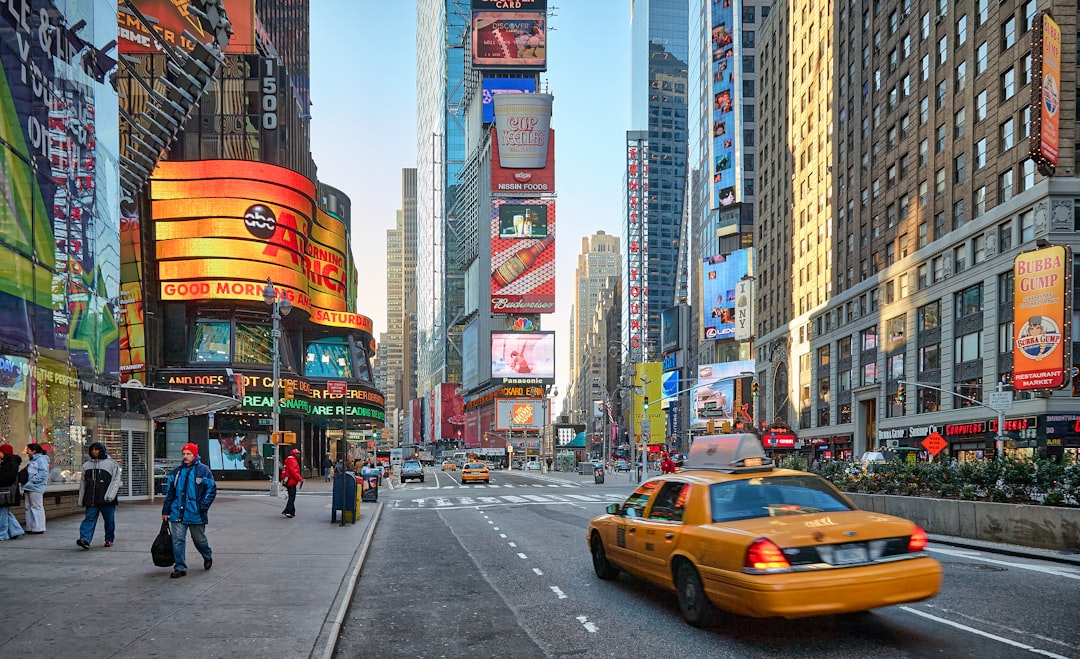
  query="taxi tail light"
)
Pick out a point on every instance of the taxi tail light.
point(918, 540)
point(765, 555)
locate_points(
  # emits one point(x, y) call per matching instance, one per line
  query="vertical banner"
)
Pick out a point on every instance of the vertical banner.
point(744, 309)
point(636, 288)
point(1045, 93)
point(1042, 312)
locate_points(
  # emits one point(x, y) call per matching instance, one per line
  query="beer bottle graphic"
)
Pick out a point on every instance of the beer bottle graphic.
point(516, 265)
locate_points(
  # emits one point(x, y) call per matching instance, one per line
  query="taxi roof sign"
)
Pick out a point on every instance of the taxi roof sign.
point(730, 453)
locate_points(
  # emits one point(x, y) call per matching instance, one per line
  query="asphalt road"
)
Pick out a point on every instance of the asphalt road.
point(503, 570)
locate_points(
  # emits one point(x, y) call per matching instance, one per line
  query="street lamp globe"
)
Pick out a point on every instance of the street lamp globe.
point(269, 295)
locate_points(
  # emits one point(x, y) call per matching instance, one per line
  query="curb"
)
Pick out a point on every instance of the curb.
point(331, 627)
point(1008, 550)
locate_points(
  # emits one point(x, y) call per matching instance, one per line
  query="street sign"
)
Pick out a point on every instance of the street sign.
point(934, 443)
point(1000, 401)
point(337, 387)
point(646, 425)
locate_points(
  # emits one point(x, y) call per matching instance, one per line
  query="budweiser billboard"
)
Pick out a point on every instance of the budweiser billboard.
point(521, 180)
point(522, 256)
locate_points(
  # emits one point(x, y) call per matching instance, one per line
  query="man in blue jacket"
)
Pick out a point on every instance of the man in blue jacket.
point(191, 492)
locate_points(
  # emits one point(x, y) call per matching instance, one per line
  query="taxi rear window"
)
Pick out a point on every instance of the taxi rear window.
point(476, 465)
point(772, 496)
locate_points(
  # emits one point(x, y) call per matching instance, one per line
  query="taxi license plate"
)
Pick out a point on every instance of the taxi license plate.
point(849, 555)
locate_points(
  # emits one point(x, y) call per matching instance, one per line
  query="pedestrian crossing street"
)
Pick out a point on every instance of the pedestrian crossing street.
point(549, 498)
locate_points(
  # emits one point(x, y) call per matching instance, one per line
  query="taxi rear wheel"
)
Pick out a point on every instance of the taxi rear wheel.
point(603, 568)
point(693, 602)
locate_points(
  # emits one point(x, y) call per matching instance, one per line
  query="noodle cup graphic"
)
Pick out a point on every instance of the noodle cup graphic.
point(521, 124)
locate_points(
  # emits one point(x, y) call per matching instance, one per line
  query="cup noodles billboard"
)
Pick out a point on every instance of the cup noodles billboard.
point(522, 123)
point(518, 180)
point(1042, 313)
point(492, 86)
point(522, 256)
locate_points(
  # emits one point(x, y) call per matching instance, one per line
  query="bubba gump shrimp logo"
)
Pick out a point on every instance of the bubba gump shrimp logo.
point(1038, 338)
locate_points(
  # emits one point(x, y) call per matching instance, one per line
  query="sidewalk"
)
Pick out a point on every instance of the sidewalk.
point(279, 587)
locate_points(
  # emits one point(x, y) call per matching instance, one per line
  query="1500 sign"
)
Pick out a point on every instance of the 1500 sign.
point(269, 88)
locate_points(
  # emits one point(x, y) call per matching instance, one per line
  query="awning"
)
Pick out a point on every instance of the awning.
point(165, 404)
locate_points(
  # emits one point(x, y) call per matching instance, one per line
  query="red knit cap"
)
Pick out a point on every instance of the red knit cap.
point(190, 447)
point(6, 449)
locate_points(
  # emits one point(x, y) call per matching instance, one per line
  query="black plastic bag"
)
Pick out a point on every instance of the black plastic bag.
point(161, 550)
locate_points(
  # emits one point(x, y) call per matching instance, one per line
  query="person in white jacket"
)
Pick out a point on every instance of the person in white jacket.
point(97, 493)
point(37, 475)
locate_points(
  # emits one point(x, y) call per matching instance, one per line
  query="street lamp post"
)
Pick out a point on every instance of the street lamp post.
point(281, 307)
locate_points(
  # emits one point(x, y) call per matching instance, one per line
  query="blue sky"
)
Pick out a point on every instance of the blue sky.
point(363, 90)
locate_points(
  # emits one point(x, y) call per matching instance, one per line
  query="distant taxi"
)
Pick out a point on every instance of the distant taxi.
point(449, 465)
point(475, 471)
point(732, 532)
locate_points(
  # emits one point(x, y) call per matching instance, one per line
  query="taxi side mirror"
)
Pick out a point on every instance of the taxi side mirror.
point(613, 509)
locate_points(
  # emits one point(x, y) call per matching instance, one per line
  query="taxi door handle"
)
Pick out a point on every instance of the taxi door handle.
point(631, 529)
point(669, 536)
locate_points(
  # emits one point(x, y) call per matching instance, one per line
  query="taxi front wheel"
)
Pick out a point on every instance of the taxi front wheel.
point(603, 568)
point(693, 602)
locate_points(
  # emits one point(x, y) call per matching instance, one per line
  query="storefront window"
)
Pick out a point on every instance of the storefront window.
point(969, 389)
point(328, 359)
point(211, 343)
point(929, 400)
point(253, 344)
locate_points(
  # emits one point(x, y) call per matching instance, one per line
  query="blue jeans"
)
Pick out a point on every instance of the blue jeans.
point(9, 525)
point(179, 543)
point(326, 474)
point(89, 523)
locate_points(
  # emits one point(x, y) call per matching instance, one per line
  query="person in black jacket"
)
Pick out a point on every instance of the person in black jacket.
point(9, 475)
point(97, 493)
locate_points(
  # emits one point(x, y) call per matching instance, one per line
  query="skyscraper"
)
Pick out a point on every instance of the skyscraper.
point(659, 54)
point(598, 261)
point(395, 345)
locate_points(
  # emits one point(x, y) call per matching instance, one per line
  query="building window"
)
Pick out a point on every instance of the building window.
point(961, 31)
point(929, 400)
point(958, 214)
point(1027, 227)
point(1008, 135)
point(968, 302)
point(980, 201)
point(980, 154)
point(960, 121)
point(843, 348)
point(1028, 180)
point(942, 94)
point(922, 281)
point(1005, 236)
point(1005, 287)
point(1008, 84)
point(924, 152)
point(212, 342)
point(939, 225)
point(930, 316)
point(922, 235)
point(1008, 33)
point(749, 39)
point(959, 259)
point(961, 76)
point(980, 106)
point(1005, 338)
point(943, 50)
point(971, 390)
point(939, 139)
point(982, 11)
point(939, 181)
point(1005, 186)
point(958, 169)
point(869, 373)
point(929, 358)
point(981, 58)
point(253, 344)
point(924, 110)
point(869, 338)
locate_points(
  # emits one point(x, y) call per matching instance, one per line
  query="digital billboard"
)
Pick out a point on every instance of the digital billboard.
point(172, 20)
point(720, 276)
point(1042, 311)
point(495, 85)
point(522, 265)
point(523, 357)
point(724, 127)
point(509, 40)
point(714, 392)
point(521, 413)
point(222, 227)
point(513, 180)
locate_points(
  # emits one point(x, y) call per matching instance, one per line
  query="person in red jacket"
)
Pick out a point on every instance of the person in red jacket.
point(291, 478)
point(667, 465)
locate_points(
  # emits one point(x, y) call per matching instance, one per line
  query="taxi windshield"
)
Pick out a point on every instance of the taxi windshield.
point(772, 496)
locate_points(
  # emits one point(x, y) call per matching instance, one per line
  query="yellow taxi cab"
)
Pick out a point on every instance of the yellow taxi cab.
point(475, 471)
point(449, 465)
point(733, 532)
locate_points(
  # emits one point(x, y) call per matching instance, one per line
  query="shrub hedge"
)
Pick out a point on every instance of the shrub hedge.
point(1008, 480)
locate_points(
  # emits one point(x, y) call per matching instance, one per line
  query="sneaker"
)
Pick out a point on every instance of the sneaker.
point(84, 544)
point(289, 515)
point(176, 574)
point(208, 563)
point(108, 543)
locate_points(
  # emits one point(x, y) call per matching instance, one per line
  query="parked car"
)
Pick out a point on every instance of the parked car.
point(743, 536)
point(622, 465)
point(412, 470)
point(532, 465)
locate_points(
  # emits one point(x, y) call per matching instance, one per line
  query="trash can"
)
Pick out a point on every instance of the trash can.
point(598, 474)
point(369, 484)
point(344, 498)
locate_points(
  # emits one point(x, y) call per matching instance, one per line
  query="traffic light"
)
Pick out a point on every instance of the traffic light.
point(753, 388)
point(900, 396)
point(290, 389)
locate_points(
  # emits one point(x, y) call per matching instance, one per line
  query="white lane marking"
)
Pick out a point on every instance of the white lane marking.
point(491, 521)
point(538, 497)
point(443, 501)
point(1057, 571)
point(993, 624)
point(589, 627)
point(559, 592)
point(522, 556)
point(538, 571)
point(979, 632)
point(514, 499)
point(488, 499)
point(512, 544)
point(502, 535)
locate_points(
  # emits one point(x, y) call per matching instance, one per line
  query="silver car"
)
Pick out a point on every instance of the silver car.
point(412, 469)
